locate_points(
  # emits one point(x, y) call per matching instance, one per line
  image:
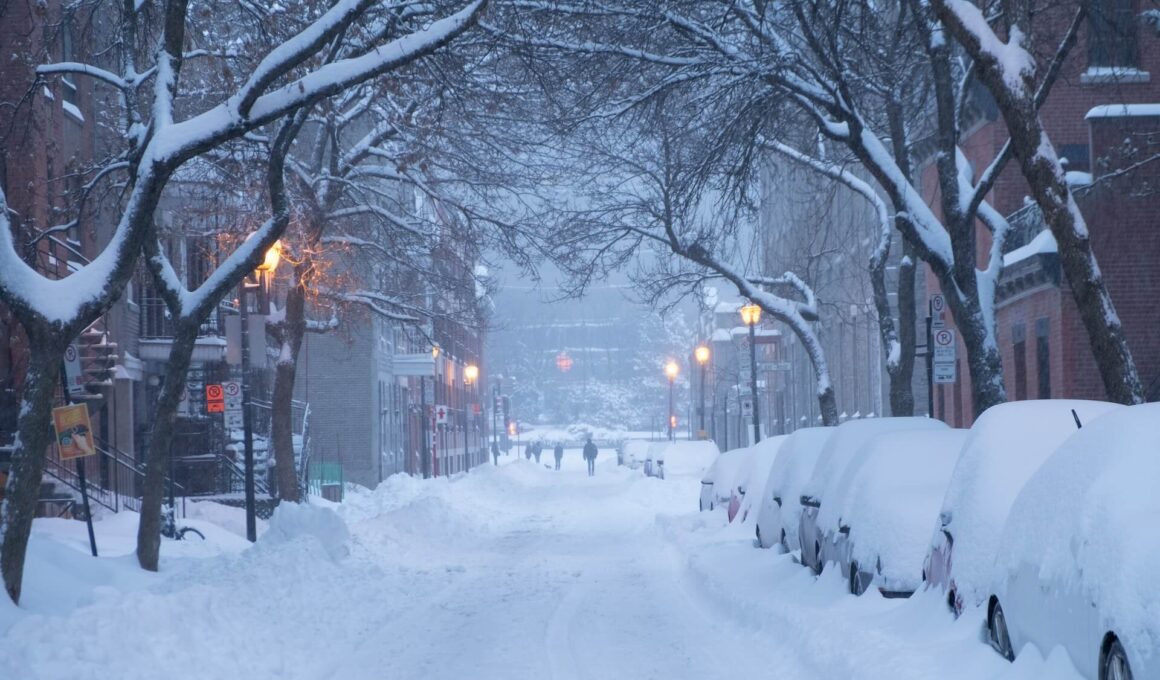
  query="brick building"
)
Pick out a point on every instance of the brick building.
point(1102, 115)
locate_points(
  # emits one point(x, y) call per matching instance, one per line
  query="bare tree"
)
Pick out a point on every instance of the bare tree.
point(162, 127)
point(1009, 70)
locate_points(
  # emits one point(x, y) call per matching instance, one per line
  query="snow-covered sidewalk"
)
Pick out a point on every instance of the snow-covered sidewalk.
point(509, 572)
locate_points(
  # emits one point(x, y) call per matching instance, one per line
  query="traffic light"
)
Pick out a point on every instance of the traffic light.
point(98, 358)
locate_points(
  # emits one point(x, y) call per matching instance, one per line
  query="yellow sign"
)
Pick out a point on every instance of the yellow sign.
point(74, 433)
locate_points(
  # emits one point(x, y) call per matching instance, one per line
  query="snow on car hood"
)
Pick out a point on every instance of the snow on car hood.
point(891, 493)
point(1087, 521)
point(1005, 446)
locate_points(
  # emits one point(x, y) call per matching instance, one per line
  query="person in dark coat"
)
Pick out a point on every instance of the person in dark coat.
point(528, 451)
point(590, 456)
point(495, 452)
point(537, 449)
point(559, 453)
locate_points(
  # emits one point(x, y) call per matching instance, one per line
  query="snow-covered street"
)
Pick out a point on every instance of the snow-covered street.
point(509, 572)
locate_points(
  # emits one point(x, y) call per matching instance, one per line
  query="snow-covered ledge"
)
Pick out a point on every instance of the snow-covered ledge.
point(1123, 111)
point(1096, 75)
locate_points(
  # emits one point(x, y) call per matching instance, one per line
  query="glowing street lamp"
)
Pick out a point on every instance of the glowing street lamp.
point(751, 316)
point(470, 373)
point(671, 371)
point(702, 356)
point(264, 270)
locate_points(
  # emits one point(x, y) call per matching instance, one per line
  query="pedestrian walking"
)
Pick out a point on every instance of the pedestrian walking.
point(495, 452)
point(559, 453)
point(537, 450)
point(528, 451)
point(590, 456)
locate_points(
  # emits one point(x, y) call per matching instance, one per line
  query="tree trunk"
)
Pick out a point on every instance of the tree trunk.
point(33, 438)
point(1045, 178)
point(827, 402)
point(185, 334)
point(282, 402)
point(902, 379)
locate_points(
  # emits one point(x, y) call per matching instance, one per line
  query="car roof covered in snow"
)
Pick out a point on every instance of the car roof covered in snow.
point(845, 444)
point(1086, 522)
point(724, 471)
point(892, 492)
point(685, 457)
point(755, 475)
point(1005, 446)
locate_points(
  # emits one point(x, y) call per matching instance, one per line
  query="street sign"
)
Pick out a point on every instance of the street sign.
point(72, 370)
point(943, 366)
point(938, 311)
point(234, 420)
point(233, 396)
point(747, 407)
point(74, 432)
point(477, 408)
point(442, 415)
point(215, 407)
point(214, 392)
point(944, 346)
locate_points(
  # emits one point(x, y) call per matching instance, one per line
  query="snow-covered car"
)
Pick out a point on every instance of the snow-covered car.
point(718, 482)
point(842, 447)
point(1080, 552)
point(751, 480)
point(634, 452)
point(1004, 447)
point(886, 501)
point(654, 461)
point(778, 514)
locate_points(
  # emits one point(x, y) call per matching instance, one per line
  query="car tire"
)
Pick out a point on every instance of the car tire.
point(997, 634)
point(817, 558)
point(1114, 663)
point(784, 543)
point(757, 531)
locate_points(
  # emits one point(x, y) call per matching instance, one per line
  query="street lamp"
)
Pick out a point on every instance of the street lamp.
point(470, 374)
point(671, 371)
point(751, 316)
point(702, 356)
point(269, 264)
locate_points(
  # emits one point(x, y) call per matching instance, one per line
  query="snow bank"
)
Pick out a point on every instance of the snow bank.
point(1085, 523)
point(890, 496)
point(295, 521)
point(1005, 446)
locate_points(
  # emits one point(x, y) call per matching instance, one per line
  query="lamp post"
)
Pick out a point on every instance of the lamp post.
point(702, 356)
point(671, 371)
point(751, 315)
point(470, 375)
point(269, 264)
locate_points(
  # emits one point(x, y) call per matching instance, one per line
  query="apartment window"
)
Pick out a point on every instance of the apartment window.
point(1043, 357)
point(67, 53)
point(1112, 35)
point(1019, 335)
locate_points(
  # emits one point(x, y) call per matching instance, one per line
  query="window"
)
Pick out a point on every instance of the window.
point(1112, 35)
point(1043, 357)
point(1019, 335)
point(67, 53)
